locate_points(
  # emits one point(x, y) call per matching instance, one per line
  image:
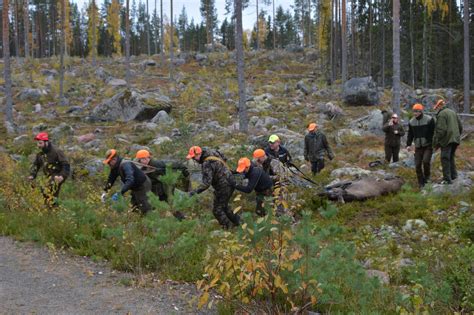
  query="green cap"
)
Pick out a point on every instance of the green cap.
point(273, 138)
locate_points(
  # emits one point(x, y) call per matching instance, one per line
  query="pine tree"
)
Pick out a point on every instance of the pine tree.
point(113, 25)
point(93, 29)
point(209, 15)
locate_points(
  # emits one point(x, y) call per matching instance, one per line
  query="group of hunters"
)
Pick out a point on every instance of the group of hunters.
point(266, 172)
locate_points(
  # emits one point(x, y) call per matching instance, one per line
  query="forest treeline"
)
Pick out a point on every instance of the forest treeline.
point(431, 33)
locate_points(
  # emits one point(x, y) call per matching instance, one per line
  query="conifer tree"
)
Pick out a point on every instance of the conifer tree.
point(113, 25)
point(93, 29)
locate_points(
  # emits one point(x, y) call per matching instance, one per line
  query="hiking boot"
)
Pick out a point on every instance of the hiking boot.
point(446, 182)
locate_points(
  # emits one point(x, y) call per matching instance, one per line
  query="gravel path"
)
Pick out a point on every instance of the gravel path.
point(34, 280)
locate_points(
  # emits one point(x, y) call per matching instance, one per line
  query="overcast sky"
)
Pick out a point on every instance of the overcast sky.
point(192, 8)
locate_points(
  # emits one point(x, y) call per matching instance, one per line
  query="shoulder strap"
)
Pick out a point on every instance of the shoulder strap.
point(215, 158)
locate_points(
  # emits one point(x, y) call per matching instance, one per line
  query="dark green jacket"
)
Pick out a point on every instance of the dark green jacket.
point(391, 138)
point(52, 161)
point(315, 145)
point(448, 128)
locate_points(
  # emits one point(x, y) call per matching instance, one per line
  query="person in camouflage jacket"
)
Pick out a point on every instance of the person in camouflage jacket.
point(215, 173)
point(55, 166)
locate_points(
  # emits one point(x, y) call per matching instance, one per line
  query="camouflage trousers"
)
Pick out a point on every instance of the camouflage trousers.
point(50, 192)
point(221, 210)
point(139, 197)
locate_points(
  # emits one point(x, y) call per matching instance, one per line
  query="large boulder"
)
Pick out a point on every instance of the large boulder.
point(360, 91)
point(131, 105)
point(370, 124)
point(32, 94)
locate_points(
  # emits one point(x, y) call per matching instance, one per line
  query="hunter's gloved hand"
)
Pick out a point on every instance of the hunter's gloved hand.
point(115, 197)
point(103, 197)
point(191, 193)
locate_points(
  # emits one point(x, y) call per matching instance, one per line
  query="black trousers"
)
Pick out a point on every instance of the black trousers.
point(448, 162)
point(139, 197)
point(391, 153)
point(423, 164)
point(317, 166)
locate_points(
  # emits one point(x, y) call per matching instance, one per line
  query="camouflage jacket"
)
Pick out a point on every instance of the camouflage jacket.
point(215, 172)
point(52, 161)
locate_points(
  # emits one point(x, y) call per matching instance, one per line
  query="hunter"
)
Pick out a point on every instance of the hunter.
point(276, 151)
point(217, 174)
point(258, 180)
point(420, 132)
point(393, 133)
point(315, 146)
point(55, 167)
point(132, 177)
point(279, 174)
point(447, 136)
point(154, 168)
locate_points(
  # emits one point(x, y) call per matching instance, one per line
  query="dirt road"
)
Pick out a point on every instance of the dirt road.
point(35, 280)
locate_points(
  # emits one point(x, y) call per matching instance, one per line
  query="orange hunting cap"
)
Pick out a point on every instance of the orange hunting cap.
point(418, 107)
point(312, 126)
point(142, 154)
point(439, 104)
point(109, 155)
point(242, 165)
point(258, 153)
point(193, 151)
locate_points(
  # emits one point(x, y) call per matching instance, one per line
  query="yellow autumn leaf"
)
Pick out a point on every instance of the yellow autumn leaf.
point(313, 300)
point(237, 198)
point(203, 300)
point(237, 209)
point(296, 255)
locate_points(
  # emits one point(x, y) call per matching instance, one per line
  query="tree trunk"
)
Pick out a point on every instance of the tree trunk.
point(412, 48)
point(127, 43)
point(171, 40)
point(6, 67)
point(239, 46)
point(396, 57)
point(26, 21)
point(148, 29)
point(94, 39)
point(162, 37)
point(467, 105)
point(258, 29)
point(16, 31)
point(274, 27)
point(383, 42)
point(155, 28)
point(61, 57)
point(331, 48)
point(370, 39)
point(343, 42)
point(309, 23)
point(425, 50)
point(353, 37)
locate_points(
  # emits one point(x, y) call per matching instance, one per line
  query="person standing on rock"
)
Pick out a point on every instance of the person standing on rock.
point(420, 132)
point(315, 146)
point(447, 136)
point(276, 151)
point(258, 180)
point(132, 177)
point(393, 133)
point(55, 166)
point(217, 174)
